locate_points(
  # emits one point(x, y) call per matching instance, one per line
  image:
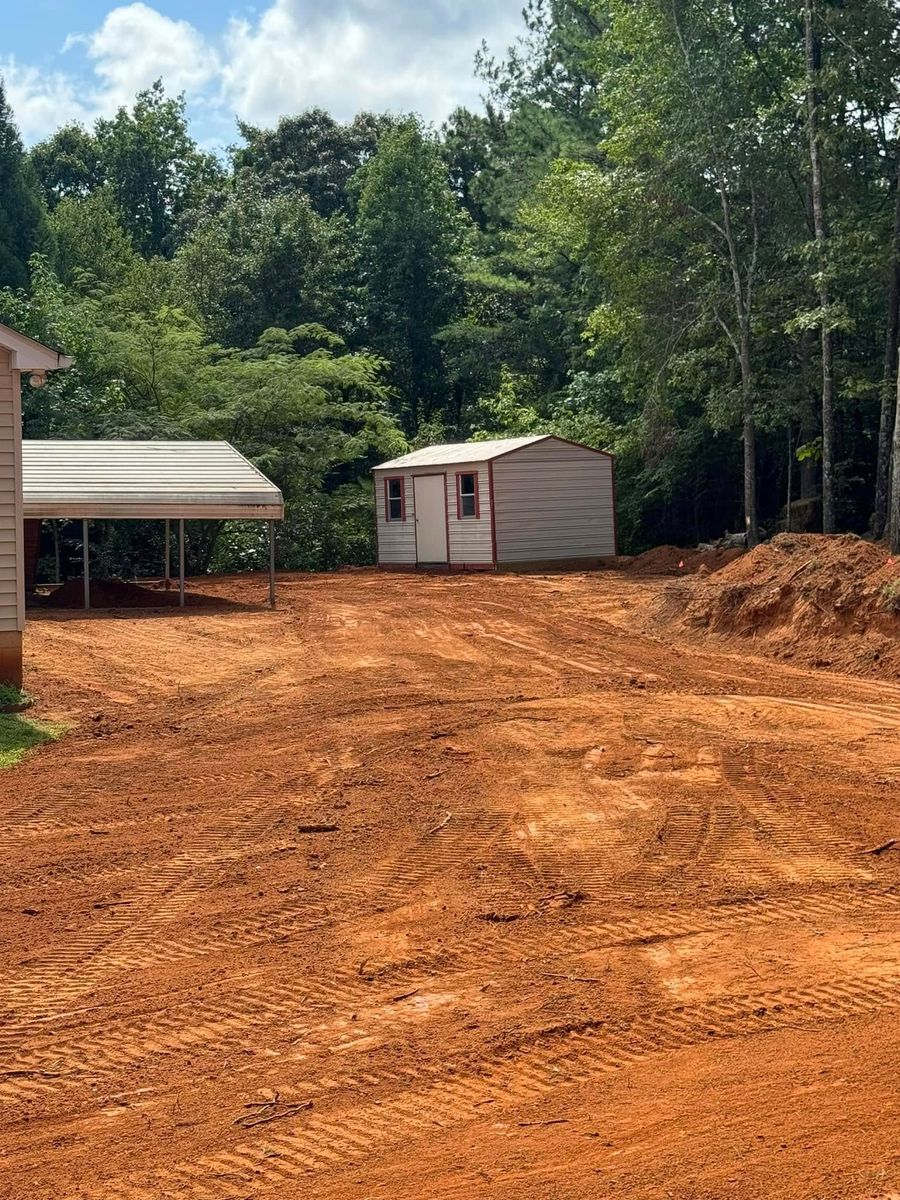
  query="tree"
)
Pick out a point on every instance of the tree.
point(813, 51)
point(154, 168)
point(67, 164)
point(311, 153)
point(91, 244)
point(24, 229)
point(255, 260)
point(409, 231)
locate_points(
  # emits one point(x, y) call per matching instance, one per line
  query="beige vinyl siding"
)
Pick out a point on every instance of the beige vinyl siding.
point(396, 539)
point(470, 537)
point(11, 583)
point(553, 500)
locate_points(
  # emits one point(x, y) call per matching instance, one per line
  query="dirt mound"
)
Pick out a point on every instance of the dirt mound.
point(832, 601)
point(117, 593)
point(670, 560)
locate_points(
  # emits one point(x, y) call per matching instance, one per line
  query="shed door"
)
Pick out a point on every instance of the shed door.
point(431, 518)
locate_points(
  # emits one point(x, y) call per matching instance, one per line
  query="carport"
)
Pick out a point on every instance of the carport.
point(164, 481)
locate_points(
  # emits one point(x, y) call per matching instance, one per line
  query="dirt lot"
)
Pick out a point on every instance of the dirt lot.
point(595, 920)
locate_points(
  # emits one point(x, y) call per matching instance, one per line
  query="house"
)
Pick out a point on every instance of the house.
point(18, 355)
point(515, 502)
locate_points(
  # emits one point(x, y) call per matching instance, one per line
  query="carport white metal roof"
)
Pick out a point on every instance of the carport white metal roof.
point(155, 480)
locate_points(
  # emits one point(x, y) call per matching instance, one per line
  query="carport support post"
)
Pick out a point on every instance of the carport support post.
point(181, 562)
point(58, 576)
point(167, 557)
point(271, 564)
point(86, 553)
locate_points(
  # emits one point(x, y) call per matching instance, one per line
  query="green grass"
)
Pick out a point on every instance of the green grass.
point(18, 736)
point(10, 695)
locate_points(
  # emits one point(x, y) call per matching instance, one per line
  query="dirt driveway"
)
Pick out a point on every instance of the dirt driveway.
point(446, 887)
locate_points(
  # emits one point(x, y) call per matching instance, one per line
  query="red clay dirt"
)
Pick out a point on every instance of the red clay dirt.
point(597, 919)
point(833, 602)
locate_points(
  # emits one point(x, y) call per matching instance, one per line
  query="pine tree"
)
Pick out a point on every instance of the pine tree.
point(24, 228)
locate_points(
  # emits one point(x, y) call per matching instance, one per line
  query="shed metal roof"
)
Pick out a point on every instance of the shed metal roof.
point(110, 479)
point(461, 452)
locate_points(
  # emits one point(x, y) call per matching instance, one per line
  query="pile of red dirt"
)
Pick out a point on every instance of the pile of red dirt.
point(831, 601)
point(116, 593)
point(670, 560)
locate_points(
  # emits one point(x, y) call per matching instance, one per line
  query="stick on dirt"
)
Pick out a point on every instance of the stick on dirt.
point(269, 1110)
point(440, 825)
point(404, 996)
point(571, 978)
point(890, 844)
point(322, 828)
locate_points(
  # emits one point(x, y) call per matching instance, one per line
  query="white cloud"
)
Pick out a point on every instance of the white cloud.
point(400, 55)
point(343, 55)
point(41, 101)
point(136, 45)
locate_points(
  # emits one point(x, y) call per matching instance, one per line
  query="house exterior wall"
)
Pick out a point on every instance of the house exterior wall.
point(469, 538)
point(12, 583)
point(554, 501)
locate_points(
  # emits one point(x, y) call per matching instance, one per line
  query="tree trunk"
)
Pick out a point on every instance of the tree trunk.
point(888, 388)
point(813, 66)
point(894, 508)
point(751, 520)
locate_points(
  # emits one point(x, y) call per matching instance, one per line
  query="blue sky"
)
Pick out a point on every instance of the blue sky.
point(65, 60)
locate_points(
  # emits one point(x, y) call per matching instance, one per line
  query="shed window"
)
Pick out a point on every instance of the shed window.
point(395, 499)
point(467, 494)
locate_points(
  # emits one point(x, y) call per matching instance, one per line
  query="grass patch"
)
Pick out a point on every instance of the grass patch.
point(19, 735)
point(10, 695)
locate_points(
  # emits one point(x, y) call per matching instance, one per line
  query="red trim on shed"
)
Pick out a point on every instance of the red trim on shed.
point(389, 479)
point(493, 514)
point(459, 512)
point(551, 437)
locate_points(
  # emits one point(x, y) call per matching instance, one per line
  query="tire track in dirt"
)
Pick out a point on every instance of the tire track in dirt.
point(801, 838)
point(71, 1058)
point(546, 1062)
point(126, 937)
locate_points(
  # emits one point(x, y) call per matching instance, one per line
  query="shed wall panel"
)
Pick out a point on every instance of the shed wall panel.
point(396, 539)
point(11, 585)
point(469, 538)
point(554, 500)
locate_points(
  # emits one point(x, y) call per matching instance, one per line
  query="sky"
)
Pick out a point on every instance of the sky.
point(65, 60)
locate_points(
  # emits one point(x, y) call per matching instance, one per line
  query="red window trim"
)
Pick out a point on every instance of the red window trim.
point(459, 513)
point(389, 479)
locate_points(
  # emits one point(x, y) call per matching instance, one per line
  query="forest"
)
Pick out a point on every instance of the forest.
point(672, 232)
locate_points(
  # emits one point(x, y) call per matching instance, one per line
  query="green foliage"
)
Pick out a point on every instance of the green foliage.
point(24, 229)
point(253, 261)
point(18, 736)
point(409, 231)
point(617, 249)
point(11, 695)
point(68, 165)
point(311, 154)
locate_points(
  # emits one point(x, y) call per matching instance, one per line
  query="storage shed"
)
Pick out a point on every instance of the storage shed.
point(514, 502)
point(18, 355)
